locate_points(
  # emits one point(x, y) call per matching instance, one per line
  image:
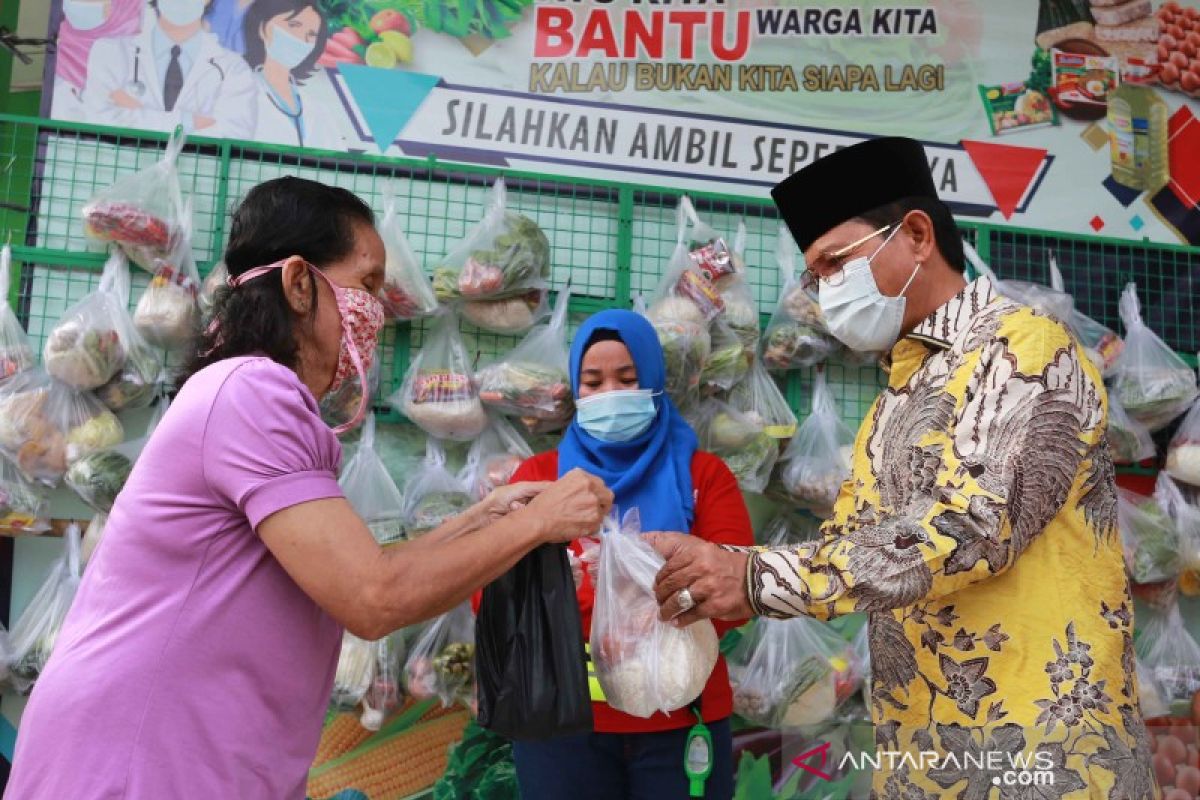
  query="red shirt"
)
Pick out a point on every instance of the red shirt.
point(721, 517)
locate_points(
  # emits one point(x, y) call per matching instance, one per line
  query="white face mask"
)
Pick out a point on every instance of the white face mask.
point(84, 15)
point(288, 50)
point(181, 12)
point(857, 313)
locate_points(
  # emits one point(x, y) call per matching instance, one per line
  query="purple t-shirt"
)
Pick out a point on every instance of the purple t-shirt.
point(191, 664)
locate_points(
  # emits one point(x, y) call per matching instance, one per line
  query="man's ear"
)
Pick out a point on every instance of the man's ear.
point(919, 227)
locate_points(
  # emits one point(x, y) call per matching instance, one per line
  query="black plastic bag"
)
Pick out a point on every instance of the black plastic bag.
point(530, 662)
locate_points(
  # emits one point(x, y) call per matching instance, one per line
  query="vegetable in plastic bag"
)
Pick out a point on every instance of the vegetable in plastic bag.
point(385, 693)
point(505, 254)
point(137, 382)
point(439, 393)
point(532, 380)
point(407, 294)
point(1150, 540)
point(817, 460)
point(759, 397)
point(168, 313)
point(739, 440)
point(140, 212)
point(442, 661)
point(643, 664)
point(1153, 383)
point(791, 673)
point(15, 353)
point(796, 334)
point(24, 505)
point(355, 670)
point(371, 491)
point(1170, 655)
point(509, 315)
point(494, 458)
point(1183, 454)
point(1186, 519)
point(686, 346)
point(433, 495)
point(728, 360)
point(45, 425)
point(34, 634)
point(89, 343)
point(1129, 441)
point(97, 478)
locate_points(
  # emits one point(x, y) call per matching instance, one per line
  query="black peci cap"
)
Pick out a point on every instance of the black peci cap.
point(850, 182)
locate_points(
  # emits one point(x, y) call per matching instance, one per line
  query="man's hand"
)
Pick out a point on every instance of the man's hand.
point(123, 99)
point(716, 579)
point(575, 505)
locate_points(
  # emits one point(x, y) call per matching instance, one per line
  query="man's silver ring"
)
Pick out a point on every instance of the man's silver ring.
point(685, 601)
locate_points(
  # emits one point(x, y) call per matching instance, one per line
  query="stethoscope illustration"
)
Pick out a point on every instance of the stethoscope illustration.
point(136, 88)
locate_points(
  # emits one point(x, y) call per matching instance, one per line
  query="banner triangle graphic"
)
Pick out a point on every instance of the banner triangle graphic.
point(1007, 170)
point(387, 98)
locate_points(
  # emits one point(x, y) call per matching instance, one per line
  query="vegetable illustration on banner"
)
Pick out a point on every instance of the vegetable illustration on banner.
point(1071, 115)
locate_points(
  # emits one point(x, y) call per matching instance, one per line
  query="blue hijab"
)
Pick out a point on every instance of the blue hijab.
point(653, 472)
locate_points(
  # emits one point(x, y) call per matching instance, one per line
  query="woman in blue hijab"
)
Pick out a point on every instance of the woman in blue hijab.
point(627, 432)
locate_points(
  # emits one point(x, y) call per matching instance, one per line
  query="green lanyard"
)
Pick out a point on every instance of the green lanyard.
point(698, 756)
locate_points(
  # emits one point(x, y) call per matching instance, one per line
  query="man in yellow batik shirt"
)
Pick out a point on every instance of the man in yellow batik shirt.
point(978, 528)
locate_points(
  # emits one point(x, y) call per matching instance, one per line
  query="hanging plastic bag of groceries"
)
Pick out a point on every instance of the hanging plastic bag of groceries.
point(1049, 300)
point(216, 280)
point(738, 439)
point(759, 397)
point(499, 271)
point(36, 631)
point(24, 504)
point(1186, 519)
point(494, 458)
point(1183, 453)
point(433, 495)
point(15, 353)
point(1153, 383)
point(439, 393)
point(644, 665)
point(341, 405)
point(817, 460)
point(792, 673)
point(141, 212)
point(1170, 654)
point(168, 313)
point(407, 293)
point(371, 491)
point(97, 478)
point(796, 335)
point(728, 360)
point(1129, 441)
point(741, 312)
point(441, 663)
point(717, 258)
point(138, 381)
point(530, 660)
point(532, 381)
point(385, 693)
point(1149, 538)
point(89, 343)
point(355, 671)
point(46, 426)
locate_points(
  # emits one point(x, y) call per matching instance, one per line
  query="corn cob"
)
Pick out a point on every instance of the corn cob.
point(341, 735)
point(395, 767)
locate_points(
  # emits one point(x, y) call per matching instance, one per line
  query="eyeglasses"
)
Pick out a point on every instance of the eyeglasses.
point(809, 280)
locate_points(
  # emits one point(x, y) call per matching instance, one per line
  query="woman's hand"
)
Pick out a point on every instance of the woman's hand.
point(571, 507)
point(505, 499)
point(716, 579)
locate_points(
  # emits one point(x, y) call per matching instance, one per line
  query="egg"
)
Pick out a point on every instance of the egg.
point(1188, 49)
point(1190, 82)
point(1165, 17)
point(1188, 779)
point(1180, 60)
point(1194, 38)
point(1185, 732)
point(1172, 6)
point(1176, 31)
point(1192, 13)
point(1193, 756)
point(1169, 74)
point(1164, 770)
point(1172, 748)
point(1178, 794)
point(1168, 41)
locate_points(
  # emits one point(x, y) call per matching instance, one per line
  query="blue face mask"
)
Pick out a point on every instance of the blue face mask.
point(616, 416)
point(288, 50)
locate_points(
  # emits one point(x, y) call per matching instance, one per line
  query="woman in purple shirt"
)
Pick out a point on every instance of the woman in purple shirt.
point(199, 655)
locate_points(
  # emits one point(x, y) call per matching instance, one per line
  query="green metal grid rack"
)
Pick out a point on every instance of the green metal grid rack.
point(611, 240)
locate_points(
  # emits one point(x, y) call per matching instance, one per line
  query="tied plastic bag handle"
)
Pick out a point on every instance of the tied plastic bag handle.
point(1130, 308)
point(785, 256)
point(5, 268)
point(435, 455)
point(681, 220)
point(73, 541)
point(368, 432)
point(558, 320)
point(389, 200)
point(739, 239)
point(977, 263)
point(1056, 276)
point(639, 304)
point(115, 278)
point(498, 199)
point(822, 402)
